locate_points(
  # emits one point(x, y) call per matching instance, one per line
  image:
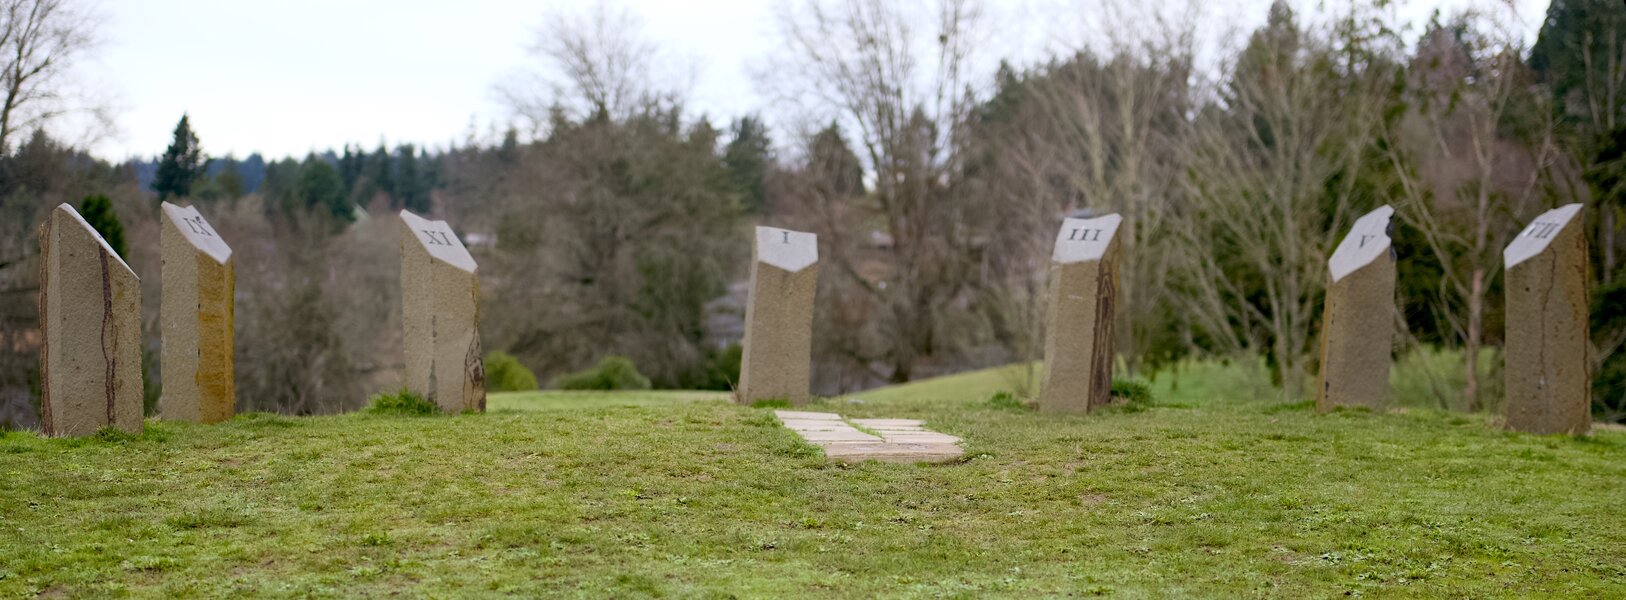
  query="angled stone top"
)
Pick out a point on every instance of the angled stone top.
point(1540, 232)
point(196, 230)
point(1368, 240)
point(437, 238)
point(1083, 240)
point(786, 249)
point(68, 209)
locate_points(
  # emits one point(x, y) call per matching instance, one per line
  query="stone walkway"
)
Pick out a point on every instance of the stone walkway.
point(901, 440)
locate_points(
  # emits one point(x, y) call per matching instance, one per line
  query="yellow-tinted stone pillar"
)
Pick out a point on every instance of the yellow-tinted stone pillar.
point(776, 361)
point(90, 310)
point(1081, 316)
point(1357, 324)
point(1548, 368)
point(440, 310)
point(199, 276)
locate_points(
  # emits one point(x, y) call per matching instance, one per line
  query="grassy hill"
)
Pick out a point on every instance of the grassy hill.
point(1216, 493)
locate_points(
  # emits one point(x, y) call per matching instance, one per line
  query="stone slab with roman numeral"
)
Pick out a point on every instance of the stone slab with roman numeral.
point(90, 311)
point(440, 311)
point(1081, 316)
point(1548, 367)
point(776, 362)
point(197, 318)
point(1357, 323)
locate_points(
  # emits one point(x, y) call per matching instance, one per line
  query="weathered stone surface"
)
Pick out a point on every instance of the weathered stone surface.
point(1357, 323)
point(199, 276)
point(847, 435)
point(1548, 369)
point(1081, 317)
point(789, 415)
point(90, 310)
point(901, 441)
point(776, 362)
point(893, 452)
point(888, 423)
point(815, 425)
point(440, 309)
point(919, 437)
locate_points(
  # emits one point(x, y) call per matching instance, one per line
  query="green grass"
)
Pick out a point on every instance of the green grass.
point(1212, 493)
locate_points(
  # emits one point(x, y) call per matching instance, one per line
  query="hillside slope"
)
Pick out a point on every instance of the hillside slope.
point(654, 494)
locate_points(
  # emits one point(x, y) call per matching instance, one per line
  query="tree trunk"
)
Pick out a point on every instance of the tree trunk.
point(1608, 245)
point(1476, 312)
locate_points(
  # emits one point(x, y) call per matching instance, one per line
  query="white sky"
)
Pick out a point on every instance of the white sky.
point(288, 77)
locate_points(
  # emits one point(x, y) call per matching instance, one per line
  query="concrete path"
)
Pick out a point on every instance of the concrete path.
point(900, 440)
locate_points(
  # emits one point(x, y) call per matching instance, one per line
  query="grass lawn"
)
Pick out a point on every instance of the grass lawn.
point(1217, 493)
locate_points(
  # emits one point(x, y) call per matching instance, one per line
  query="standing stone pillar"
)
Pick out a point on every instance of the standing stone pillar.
point(90, 310)
point(1079, 322)
point(778, 352)
point(1549, 382)
point(440, 309)
point(197, 315)
point(1357, 324)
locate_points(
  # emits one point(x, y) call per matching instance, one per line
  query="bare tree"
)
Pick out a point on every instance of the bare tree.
point(40, 40)
point(588, 62)
point(1101, 136)
point(1273, 179)
point(1465, 184)
point(902, 90)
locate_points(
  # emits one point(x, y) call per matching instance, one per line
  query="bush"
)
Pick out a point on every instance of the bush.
point(721, 371)
point(404, 402)
point(1005, 401)
point(772, 403)
point(504, 373)
point(1133, 394)
point(611, 373)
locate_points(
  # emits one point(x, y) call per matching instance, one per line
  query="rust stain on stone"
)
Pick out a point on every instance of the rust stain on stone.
point(45, 340)
point(1105, 320)
point(109, 342)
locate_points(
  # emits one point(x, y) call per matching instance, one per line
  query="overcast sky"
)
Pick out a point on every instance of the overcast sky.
point(284, 78)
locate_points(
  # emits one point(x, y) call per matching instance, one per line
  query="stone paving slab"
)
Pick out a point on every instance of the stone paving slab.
point(901, 441)
point(815, 425)
point(895, 452)
point(838, 436)
point(888, 423)
point(928, 437)
point(804, 415)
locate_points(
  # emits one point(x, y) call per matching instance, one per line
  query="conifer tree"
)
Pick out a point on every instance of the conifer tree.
point(182, 164)
point(98, 212)
point(410, 193)
point(381, 170)
point(747, 159)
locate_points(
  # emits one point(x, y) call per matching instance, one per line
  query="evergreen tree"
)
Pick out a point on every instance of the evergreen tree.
point(230, 179)
point(321, 188)
point(350, 165)
point(747, 158)
point(1577, 49)
point(410, 191)
point(183, 163)
point(381, 171)
point(508, 152)
point(98, 212)
point(834, 163)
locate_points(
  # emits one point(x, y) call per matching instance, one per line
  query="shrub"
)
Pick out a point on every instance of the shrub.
point(1133, 394)
point(720, 371)
point(1005, 400)
point(404, 402)
point(504, 373)
point(771, 403)
point(611, 373)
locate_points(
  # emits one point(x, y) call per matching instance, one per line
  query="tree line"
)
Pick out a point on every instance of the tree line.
point(612, 220)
